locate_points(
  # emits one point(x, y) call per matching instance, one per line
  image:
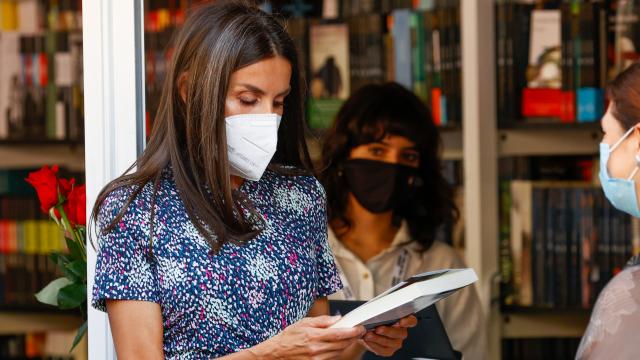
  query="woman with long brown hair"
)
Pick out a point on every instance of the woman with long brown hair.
point(614, 327)
point(214, 243)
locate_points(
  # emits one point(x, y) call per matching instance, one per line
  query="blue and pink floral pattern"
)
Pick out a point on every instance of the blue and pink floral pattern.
point(215, 304)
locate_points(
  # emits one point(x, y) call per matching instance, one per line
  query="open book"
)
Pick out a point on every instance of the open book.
point(408, 297)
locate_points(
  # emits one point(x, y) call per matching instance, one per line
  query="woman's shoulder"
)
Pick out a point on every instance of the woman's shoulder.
point(293, 180)
point(614, 319)
point(625, 285)
point(620, 297)
point(125, 195)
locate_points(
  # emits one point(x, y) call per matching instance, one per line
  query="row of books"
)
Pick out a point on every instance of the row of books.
point(41, 86)
point(565, 242)
point(418, 48)
point(535, 349)
point(30, 237)
point(22, 276)
point(554, 58)
point(30, 346)
point(21, 208)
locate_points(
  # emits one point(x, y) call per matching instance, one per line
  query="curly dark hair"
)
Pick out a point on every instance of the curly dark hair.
point(371, 113)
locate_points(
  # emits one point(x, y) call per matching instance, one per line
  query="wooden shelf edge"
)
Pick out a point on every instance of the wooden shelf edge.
point(547, 141)
point(29, 156)
point(541, 325)
point(18, 323)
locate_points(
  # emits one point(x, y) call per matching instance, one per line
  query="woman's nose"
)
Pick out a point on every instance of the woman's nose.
point(394, 158)
point(267, 107)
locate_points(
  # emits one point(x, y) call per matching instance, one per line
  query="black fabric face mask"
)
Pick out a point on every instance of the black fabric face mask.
point(379, 186)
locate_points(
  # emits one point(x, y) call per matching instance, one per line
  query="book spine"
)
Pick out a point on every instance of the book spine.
point(551, 212)
point(417, 54)
point(402, 47)
point(560, 269)
point(574, 249)
point(538, 245)
point(506, 257)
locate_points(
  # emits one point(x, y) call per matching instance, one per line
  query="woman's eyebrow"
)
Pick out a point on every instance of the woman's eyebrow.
point(382, 142)
point(259, 91)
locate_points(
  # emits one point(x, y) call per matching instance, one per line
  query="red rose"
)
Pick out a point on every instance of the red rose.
point(65, 186)
point(45, 181)
point(76, 206)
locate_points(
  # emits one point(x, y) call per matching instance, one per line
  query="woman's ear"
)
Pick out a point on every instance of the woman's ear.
point(635, 135)
point(182, 85)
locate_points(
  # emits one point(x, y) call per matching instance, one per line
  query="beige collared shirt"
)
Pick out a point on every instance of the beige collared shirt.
point(461, 312)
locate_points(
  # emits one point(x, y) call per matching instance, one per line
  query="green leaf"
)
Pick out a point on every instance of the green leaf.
point(81, 332)
point(79, 270)
point(72, 296)
point(49, 295)
point(74, 248)
point(59, 259)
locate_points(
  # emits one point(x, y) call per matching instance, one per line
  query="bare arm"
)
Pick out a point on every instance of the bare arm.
point(136, 327)
point(319, 308)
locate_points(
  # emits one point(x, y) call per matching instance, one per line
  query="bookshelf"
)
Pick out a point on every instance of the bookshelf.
point(41, 123)
point(569, 133)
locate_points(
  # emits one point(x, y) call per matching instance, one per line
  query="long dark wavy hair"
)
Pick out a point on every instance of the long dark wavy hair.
point(216, 40)
point(371, 113)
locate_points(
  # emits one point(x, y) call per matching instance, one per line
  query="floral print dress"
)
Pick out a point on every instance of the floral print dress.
point(216, 304)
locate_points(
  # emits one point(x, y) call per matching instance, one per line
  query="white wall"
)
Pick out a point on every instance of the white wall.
point(113, 110)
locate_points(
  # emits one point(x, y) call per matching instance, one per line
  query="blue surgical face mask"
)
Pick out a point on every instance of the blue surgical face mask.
point(620, 192)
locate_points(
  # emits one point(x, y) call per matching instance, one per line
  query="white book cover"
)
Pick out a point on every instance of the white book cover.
point(545, 54)
point(408, 297)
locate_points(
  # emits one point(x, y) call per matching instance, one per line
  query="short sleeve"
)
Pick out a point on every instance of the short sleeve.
point(327, 271)
point(124, 270)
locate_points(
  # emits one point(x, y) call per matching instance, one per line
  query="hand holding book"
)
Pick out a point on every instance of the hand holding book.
point(407, 298)
point(386, 340)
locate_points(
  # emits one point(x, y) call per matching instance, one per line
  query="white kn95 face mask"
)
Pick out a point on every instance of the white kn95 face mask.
point(251, 143)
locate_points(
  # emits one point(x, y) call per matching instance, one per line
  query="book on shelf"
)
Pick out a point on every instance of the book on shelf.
point(622, 35)
point(543, 97)
point(408, 297)
point(329, 76)
point(555, 58)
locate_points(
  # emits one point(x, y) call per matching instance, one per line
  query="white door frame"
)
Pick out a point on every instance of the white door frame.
point(114, 117)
